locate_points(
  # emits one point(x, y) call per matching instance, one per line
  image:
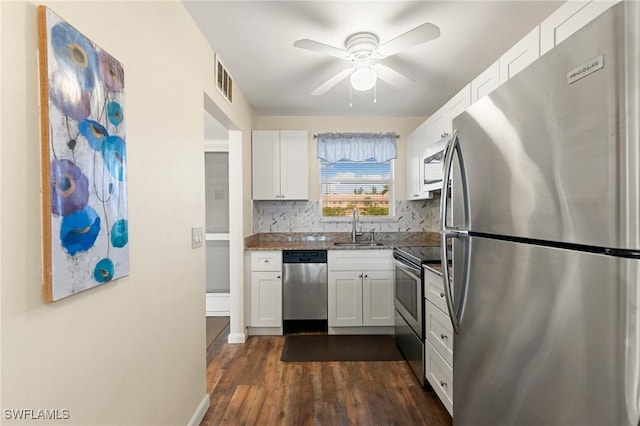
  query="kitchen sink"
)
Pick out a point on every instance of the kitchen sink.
point(357, 244)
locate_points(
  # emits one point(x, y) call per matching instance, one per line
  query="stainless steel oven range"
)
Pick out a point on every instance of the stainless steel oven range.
point(409, 303)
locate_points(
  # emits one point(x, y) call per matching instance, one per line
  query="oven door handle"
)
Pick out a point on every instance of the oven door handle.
point(408, 269)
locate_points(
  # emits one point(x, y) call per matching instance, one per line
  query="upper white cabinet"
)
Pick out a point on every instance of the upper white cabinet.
point(280, 163)
point(427, 139)
point(486, 82)
point(568, 19)
point(416, 143)
point(456, 105)
point(520, 55)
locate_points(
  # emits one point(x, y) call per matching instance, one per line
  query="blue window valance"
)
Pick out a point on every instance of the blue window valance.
point(359, 147)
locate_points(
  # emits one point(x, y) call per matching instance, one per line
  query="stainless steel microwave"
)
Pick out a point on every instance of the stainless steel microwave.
point(433, 161)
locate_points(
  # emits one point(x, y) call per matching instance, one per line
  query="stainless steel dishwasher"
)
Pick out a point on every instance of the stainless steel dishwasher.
point(304, 290)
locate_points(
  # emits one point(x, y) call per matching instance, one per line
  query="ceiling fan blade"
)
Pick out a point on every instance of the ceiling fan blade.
point(391, 76)
point(316, 46)
point(418, 35)
point(324, 87)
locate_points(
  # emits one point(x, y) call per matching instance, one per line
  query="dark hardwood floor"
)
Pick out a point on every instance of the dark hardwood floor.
point(249, 385)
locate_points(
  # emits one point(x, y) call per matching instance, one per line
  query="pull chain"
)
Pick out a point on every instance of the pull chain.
point(350, 103)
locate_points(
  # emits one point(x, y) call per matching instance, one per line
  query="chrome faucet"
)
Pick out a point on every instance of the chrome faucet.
point(356, 217)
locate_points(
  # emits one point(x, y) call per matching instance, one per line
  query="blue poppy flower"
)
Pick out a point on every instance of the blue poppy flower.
point(68, 96)
point(69, 188)
point(114, 156)
point(114, 112)
point(104, 270)
point(119, 233)
point(79, 230)
point(75, 51)
point(94, 132)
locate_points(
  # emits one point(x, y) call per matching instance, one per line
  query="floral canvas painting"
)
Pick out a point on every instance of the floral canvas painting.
point(84, 173)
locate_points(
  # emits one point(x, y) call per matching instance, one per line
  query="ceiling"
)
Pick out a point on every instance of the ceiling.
point(254, 40)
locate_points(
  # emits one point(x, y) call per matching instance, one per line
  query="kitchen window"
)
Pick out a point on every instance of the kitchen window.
point(367, 185)
point(356, 171)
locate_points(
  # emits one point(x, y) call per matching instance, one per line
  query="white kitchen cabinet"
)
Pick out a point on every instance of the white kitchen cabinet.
point(360, 288)
point(345, 298)
point(456, 105)
point(486, 82)
point(266, 289)
point(568, 19)
point(280, 164)
point(440, 375)
point(520, 55)
point(377, 298)
point(438, 344)
point(416, 144)
point(439, 125)
point(439, 331)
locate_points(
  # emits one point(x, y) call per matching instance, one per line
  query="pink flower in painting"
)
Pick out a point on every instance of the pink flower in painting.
point(112, 72)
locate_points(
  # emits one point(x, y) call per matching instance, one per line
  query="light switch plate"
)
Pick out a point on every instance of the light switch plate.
point(197, 236)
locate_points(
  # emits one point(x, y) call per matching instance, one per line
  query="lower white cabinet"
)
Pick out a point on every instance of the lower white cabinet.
point(360, 288)
point(438, 345)
point(266, 289)
point(440, 375)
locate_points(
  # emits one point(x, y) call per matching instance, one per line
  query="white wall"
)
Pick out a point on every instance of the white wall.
point(403, 126)
point(131, 351)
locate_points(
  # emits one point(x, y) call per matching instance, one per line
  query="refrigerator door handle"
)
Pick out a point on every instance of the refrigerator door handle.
point(447, 232)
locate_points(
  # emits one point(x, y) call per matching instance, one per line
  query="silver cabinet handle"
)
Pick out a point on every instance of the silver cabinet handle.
point(441, 294)
point(443, 384)
point(366, 276)
point(443, 336)
point(360, 276)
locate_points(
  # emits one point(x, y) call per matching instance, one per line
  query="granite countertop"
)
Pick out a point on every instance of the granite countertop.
point(326, 240)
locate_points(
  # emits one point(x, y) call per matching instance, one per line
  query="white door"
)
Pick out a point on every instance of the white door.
point(377, 298)
point(345, 299)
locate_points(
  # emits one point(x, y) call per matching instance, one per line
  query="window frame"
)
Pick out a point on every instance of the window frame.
point(391, 182)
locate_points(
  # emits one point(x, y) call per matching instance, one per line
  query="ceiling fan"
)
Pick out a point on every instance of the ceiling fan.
point(365, 53)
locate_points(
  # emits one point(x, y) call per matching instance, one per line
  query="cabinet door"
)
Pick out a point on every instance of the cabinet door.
point(294, 165)
point(439, 124)
point(520, 55)
point(440, 375)
point(568, 19)
point(458, 104)
point(345, 299)
point(266, 299)
point(413, 167)
point(439, 331)
point(377, 298)
point(486, 82)
point(265, 158)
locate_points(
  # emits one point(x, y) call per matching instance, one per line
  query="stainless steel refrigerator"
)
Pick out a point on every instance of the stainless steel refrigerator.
point(544, 218)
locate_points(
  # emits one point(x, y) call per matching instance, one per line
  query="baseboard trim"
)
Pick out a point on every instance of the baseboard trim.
point(201, 411)
point(237, 338)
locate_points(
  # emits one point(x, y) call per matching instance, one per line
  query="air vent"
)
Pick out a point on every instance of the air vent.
point(224, 81)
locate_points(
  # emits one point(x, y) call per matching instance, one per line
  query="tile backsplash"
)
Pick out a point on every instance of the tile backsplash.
point(304, 216)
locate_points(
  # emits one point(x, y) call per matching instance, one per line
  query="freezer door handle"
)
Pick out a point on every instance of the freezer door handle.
point(448, 232)
point(453, 147)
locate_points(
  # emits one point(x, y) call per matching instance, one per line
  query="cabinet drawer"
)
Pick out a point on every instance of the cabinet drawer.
point(434, 289)
point(440, 375)
point(266, 260)
point(439, 331)
point(359, 260)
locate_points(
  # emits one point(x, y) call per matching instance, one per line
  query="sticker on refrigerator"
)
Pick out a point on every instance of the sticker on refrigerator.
point(585, 69)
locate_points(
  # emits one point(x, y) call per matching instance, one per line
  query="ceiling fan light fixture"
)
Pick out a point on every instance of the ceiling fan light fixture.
point(363, 77)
